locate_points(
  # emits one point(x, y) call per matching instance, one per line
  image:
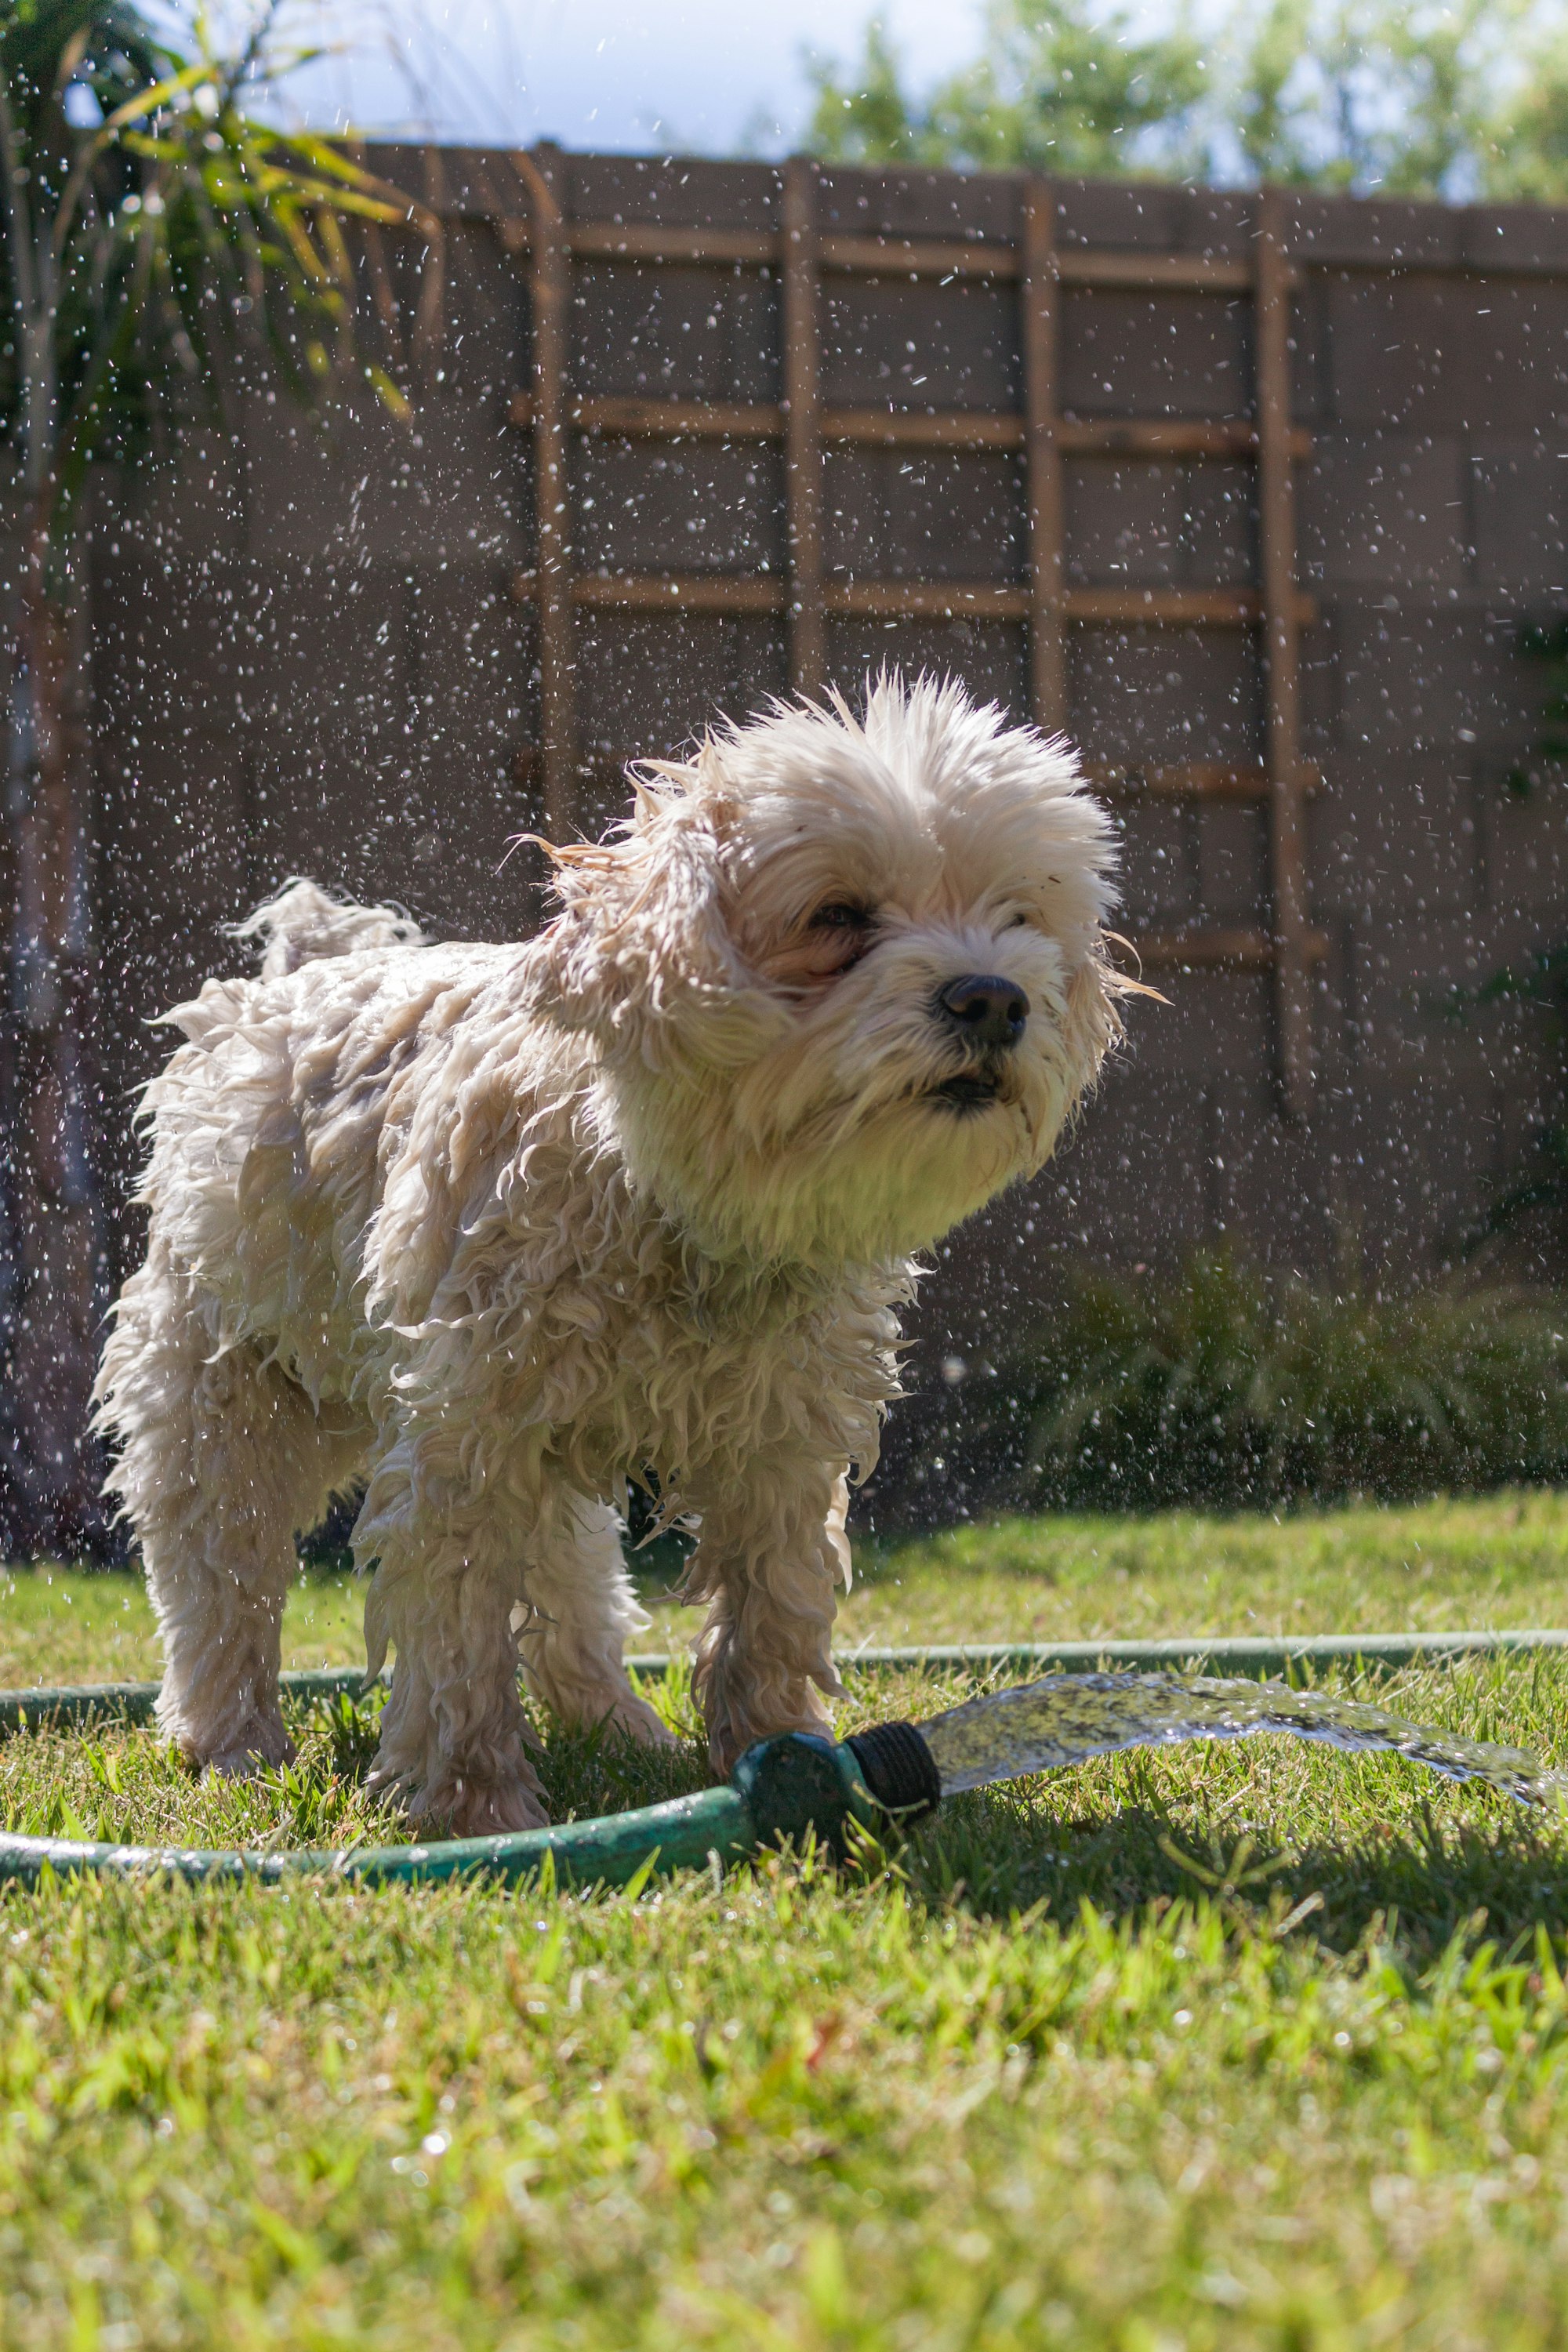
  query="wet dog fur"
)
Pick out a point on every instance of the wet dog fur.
point(496, 1228)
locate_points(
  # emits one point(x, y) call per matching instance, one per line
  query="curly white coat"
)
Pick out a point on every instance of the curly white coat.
point(497, 1227)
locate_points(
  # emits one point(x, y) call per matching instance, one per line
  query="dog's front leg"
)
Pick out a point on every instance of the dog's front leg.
point(771, 1551)
point(454, 1737)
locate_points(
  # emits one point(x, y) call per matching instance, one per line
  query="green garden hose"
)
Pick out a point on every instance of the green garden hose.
point(782, 1788)
point(45, 1708)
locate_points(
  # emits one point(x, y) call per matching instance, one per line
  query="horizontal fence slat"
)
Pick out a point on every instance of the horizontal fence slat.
point(1093, 263)
point(681, 593)
point(1221, 949)
point(1214, 608)
point(1205, 779)
point(635, 418)
point(650, 241)
point(1107, 266)
point(1163, 437)
point(1152, 273)
point(925, 600)
point(730, 591)
point(917, 257)
point(953, 428)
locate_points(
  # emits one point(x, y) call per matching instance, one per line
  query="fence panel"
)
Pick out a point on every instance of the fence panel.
point(1249, 495)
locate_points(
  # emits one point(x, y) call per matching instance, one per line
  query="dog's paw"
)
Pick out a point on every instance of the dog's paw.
point(259, 1746)
point(727, 1742)
point(468, 1808)
point(632, 1718)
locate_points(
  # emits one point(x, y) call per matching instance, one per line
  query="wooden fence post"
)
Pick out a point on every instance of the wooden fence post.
point(802, 439)
point(550, 283)
point(1277, 531)
point(1039, 298)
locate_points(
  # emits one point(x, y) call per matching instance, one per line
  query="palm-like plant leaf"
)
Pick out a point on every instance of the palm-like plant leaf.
point(147, 221)
point(153, 236)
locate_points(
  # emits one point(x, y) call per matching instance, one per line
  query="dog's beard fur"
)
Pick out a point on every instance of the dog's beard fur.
point(497, 1227)
point(782, 1103)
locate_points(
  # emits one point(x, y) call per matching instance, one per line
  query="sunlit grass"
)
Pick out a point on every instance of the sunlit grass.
point(1498, 1560)
point(1492, 1560)
point(1254, 2046)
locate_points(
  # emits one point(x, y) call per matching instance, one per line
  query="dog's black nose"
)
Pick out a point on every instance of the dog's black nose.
point(991, 1011)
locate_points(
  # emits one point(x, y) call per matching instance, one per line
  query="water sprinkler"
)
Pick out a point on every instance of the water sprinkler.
point(798, 1785)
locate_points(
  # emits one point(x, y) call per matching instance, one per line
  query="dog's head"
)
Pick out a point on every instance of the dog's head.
point(847, 977)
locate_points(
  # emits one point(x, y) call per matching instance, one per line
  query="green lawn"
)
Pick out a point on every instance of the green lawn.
point(1500, 1560)
point(1247, 2047)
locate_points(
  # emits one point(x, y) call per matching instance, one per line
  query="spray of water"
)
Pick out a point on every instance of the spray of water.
point(1067, 1718)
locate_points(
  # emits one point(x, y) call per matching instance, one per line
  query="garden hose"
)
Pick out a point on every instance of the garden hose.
point(883, 1778)
point(782, 1788)
point(53, 1708)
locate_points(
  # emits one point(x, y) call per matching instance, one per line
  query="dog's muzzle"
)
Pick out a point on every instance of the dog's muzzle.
point(989, 1014)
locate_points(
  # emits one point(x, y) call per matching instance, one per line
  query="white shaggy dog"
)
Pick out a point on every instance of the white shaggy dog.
point(498, 1227)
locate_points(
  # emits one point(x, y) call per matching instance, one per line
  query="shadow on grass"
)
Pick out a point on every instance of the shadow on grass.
point(583, 1773)
point(1398, 1851)
point(1002, 1851)
point(1005, 1849)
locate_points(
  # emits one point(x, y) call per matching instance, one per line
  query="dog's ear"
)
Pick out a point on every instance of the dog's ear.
point(641, 955)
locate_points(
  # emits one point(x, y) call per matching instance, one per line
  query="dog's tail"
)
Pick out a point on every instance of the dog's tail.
point(304, 921)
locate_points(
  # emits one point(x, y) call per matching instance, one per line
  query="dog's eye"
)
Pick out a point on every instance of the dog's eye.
point(840, 915)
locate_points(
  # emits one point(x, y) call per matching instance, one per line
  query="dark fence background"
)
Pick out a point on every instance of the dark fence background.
point(317, 649)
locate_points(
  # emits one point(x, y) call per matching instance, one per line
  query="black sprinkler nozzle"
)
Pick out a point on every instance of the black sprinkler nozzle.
point(898, 1768)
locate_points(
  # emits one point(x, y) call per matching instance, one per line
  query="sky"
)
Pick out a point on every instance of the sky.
point(704, 75)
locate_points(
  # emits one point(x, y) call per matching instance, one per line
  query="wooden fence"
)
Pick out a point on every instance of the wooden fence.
point(803, 253)
point(1251, 496)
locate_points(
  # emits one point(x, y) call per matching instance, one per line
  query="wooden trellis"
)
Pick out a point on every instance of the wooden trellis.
point(804, 253)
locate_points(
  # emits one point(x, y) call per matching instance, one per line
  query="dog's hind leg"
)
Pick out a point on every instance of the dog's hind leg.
point(579, 1607)
point(222, 1458)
